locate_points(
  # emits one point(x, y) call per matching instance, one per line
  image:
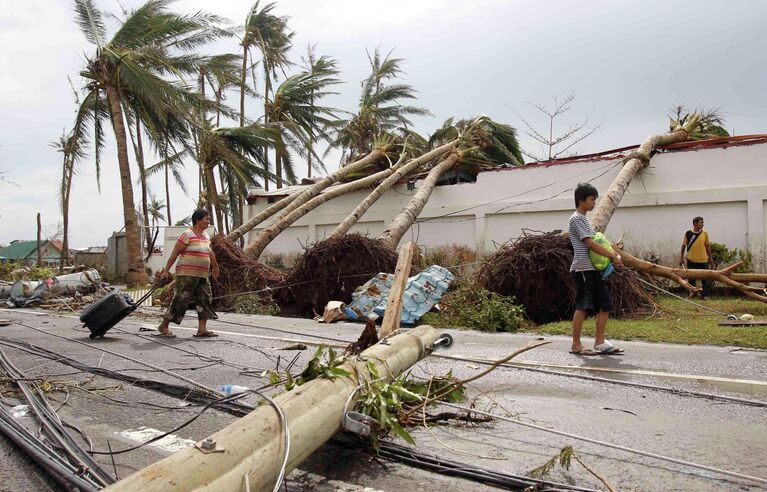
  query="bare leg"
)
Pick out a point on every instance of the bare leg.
point(601, 325)
point(202, 326)
point(164, 327)
point(578, 319)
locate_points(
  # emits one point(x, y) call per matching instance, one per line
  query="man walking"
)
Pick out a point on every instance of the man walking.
point(699, 257)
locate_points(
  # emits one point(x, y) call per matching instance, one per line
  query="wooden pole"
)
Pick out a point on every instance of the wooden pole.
point(253, 446)
point(393, 313)
point(39, 241)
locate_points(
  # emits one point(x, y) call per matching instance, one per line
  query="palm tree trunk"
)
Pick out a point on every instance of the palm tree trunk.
point(286, 221)
point(402, 222)
point(167, 194)
point(243, 81)
point(136, 273)
point(373, 197)
point(69, 171)
point(639, 159)
point(213, 200)
point(278, 167)
point(266, 236)
point(272, 209)
point(39, 241)
point(142, 179)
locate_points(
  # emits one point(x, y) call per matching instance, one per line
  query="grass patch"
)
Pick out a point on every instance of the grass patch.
point(680, 322)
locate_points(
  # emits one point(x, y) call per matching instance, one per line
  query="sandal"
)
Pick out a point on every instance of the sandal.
point(163, 335)
point(207, 334)
point(585, 351)
point(608, 348)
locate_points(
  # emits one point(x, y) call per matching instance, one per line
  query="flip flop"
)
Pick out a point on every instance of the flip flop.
point(608, 349)
point(585, 351)
point(163, 335)
point(207, 334)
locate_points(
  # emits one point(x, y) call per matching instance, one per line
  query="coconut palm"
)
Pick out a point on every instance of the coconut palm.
point(72, 151)
point(171, 165)
point(316, 66)
point(380, 108)
point(127, 71)
point(481, 143)
point(154, 211)
point(241, 150)
point(683, 126)
point(294, 111)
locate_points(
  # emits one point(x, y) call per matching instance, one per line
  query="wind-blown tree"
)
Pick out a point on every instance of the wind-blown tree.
point(154, 211)
point(294, 111)
point(128, 70)
point(380, 108)
point(482, 143)
point(270, 35)
point(171, 165)
point(71, 153)
point(317, 66)
point(241, 150)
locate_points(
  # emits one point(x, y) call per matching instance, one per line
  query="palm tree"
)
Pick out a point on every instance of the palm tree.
point(270, 35)
point(683, 125)
point(294, 111)
point(72, 152)
point(127, 71)
point(154, 211)
point(241, 150)
point(380, 109)
point(482, 143)
point(170, 165)
point(315, 66)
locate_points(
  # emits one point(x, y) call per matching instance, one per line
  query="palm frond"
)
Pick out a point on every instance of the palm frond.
point(91, 22)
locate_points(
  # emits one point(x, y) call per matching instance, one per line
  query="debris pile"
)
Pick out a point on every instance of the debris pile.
point(71, 290)
point(536, 271)
point(239, 274)
point(333, 268)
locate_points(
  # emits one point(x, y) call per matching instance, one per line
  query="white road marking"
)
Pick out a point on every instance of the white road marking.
point(170, 443)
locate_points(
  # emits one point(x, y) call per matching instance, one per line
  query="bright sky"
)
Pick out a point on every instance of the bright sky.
point(627, 62)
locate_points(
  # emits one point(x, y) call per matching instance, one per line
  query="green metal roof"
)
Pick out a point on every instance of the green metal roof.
point(19, 250)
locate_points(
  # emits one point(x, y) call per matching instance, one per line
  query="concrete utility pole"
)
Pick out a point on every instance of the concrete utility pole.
point(248, 454)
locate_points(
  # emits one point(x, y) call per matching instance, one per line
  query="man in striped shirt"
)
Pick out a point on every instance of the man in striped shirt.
point(195, 261)
point(592, 294)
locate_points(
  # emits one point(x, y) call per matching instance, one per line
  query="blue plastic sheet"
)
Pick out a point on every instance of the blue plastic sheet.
point(422, 292)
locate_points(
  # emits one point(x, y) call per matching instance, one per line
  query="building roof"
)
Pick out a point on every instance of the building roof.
point(19, 250)
point(607, 155)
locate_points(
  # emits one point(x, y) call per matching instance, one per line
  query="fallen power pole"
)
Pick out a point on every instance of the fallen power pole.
point(249, 453)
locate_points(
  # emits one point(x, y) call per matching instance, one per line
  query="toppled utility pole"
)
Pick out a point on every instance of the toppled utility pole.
point(252, 449)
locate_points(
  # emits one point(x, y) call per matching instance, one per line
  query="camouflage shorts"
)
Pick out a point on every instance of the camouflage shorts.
point(189, 290)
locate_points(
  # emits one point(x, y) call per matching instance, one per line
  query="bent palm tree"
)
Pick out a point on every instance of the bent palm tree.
point(684, 126)
point(380, 109)
point(72, 152)
point(324, 66)
point(295, 112)
point(150, 43)
point(481, 143)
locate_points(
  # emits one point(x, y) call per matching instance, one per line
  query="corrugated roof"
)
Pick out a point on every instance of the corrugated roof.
point(19, 250)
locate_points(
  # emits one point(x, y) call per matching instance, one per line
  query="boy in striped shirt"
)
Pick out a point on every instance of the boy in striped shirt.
point(592, 294)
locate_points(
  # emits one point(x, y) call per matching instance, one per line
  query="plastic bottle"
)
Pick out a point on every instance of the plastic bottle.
point(233, 389)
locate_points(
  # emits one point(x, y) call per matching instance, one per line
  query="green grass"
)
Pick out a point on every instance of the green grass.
point(677, 321)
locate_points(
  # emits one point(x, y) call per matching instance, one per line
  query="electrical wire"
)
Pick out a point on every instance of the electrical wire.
point(611, 445)
point(702, 306)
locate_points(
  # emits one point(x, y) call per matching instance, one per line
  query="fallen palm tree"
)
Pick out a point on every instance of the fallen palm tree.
point(535, 270)
point(333, 268)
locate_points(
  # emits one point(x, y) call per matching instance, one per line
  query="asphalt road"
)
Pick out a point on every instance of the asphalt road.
point(712, 432)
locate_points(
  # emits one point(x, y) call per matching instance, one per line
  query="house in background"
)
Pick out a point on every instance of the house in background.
point(25, 252)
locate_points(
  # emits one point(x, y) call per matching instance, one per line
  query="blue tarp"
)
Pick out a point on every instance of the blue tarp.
point(422, 292)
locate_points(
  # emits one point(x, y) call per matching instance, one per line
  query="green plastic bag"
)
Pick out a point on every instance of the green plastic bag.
point(600, 262)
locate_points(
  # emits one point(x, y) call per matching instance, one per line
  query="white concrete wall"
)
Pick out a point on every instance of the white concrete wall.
point(727, 186)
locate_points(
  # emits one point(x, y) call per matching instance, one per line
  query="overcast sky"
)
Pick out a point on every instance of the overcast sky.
point(627, 62)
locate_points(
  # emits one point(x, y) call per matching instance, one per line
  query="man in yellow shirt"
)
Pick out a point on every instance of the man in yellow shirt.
point(699, 256)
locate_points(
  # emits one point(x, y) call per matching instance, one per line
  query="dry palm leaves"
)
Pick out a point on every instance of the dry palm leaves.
point(239, 273)
point(331, 270)
point(536, 271)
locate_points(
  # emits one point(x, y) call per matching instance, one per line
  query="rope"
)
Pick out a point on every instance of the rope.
point(722, 313)
point(611, 445)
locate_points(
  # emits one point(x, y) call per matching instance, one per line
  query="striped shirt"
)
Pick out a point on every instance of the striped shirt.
point(194, 261)
point(580, 228)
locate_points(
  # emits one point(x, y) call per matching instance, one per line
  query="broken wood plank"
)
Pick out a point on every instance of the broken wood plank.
point(393, 312)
